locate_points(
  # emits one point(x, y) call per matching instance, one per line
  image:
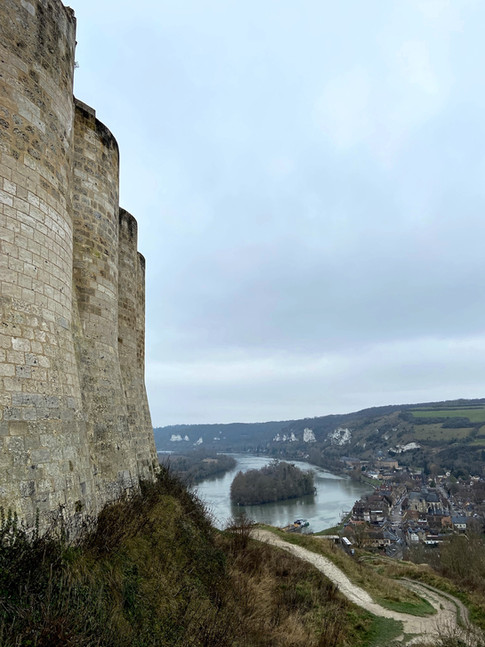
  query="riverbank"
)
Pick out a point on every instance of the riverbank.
point(334, 495)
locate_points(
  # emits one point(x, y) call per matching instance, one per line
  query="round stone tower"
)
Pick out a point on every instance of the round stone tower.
point(44, 455)
point(131, 342)
point(96, 262)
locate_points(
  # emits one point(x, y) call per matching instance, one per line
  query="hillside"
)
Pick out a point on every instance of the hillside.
point(152, 571)
point(236, 436)
point(438, 435)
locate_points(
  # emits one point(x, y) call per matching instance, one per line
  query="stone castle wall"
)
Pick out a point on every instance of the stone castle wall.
point(75, 429)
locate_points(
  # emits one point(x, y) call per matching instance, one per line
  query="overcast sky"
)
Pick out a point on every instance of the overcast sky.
point(308, 180)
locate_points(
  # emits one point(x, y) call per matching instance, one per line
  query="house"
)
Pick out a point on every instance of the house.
point(459, 523)
point(427, 501)
point(378, 539)
point(414, 535)
point(389, 464)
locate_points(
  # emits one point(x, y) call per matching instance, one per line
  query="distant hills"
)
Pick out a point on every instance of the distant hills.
point(434, 435)
point(236, 436)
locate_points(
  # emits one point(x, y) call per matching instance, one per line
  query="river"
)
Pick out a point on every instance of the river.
point(334, 494)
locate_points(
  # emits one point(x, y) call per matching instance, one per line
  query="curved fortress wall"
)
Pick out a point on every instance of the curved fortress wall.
point(147, 442)
point(70, 439)
point(96, 234)
point(131, 324)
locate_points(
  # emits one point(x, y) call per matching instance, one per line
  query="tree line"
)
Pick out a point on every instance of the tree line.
point(198, 465)
point(274, 482)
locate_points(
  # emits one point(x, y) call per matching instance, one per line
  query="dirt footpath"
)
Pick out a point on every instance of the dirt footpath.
point(448, 608)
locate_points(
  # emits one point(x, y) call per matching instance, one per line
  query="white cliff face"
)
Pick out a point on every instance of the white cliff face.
point(199, 442)
point(309, 436)
point(285, 438)
point(399, 449)
point(340, 436)
point(177, 438)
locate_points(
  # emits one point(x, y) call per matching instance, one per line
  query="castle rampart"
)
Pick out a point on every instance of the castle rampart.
point(131, 338)
point(75, 430)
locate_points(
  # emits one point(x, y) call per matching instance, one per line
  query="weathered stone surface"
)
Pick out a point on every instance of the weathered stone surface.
point(131, 342)
point(75, 428)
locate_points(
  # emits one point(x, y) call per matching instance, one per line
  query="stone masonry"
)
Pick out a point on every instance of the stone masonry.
point(75, 428)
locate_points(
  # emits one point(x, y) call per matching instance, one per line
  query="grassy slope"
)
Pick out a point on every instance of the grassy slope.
point(154, 572)
point(385, 590)
point(149, 574)
point(474, 414)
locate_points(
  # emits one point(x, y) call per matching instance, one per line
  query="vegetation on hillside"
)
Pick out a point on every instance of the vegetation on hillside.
point(236, 436)
point(450, 435)
point(198, 465)
point(384, 590)
point(149, 572)
point(459, 572)
point(461, 560)
point(153, 572)
point(274, 482)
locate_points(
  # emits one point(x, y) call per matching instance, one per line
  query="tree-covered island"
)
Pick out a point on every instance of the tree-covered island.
point(274, 482)
point(198, 465)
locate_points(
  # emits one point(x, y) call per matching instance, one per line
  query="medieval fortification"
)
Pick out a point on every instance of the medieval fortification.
point(75, 428)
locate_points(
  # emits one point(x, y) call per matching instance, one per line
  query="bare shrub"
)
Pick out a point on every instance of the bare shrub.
point(239, 529)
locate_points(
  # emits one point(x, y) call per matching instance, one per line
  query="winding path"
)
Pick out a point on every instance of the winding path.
point(451, 615)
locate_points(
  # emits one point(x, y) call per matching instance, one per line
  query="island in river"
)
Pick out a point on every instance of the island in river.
point(274, 482)
point(197, 465)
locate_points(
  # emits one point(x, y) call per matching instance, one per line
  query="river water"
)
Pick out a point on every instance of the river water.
point(334, 495)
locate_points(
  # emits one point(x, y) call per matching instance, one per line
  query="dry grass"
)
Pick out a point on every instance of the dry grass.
point(384, 589)
point(153, 572)
point(147, 574)
point(286, 602)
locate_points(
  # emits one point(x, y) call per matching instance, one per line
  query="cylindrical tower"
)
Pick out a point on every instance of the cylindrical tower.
point(44, 463)
point(96, 233)
point(130, 337)
point(145, 419)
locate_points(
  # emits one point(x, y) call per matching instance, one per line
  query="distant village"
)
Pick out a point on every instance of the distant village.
point(407, 509)
point(410, 508)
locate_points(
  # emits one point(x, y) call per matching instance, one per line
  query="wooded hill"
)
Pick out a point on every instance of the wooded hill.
point(236, 436)
point(274, 482)
point(447, 435)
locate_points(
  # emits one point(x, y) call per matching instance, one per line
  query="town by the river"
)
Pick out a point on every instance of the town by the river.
point(334, 496)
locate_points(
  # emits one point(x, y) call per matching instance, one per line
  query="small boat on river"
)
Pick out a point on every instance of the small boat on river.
point(296, 526)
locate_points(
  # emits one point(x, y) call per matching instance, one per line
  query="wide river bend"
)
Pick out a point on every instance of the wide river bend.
point(334, 495)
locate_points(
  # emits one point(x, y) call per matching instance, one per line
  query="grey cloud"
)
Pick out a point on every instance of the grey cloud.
point(308, 181)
